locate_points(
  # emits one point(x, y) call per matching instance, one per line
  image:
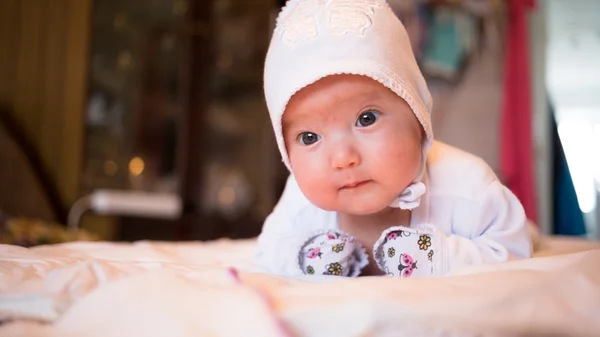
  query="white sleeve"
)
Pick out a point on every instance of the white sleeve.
point(293, 222)
point(492, 230)
point(498, 233)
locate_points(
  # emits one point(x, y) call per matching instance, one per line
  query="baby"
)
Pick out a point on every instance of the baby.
point(371, 192)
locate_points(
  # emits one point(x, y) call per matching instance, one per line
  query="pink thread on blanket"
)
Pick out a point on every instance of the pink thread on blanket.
point(234, 273)
point(284, 329)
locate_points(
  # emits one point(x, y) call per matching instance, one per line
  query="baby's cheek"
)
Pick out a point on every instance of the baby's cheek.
point(313, 181)
point(320, 194)
point(399, 161)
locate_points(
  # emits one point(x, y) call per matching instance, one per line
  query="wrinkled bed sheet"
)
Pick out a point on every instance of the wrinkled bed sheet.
point(213, 289)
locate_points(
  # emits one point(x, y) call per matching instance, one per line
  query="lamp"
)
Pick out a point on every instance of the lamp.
point(121, 202)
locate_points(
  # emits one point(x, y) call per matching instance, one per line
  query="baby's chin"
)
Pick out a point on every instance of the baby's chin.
point(362, 210)
point(358, 207)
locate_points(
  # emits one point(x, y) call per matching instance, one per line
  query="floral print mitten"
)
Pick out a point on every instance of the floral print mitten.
point(332, 253)
point(406, 252)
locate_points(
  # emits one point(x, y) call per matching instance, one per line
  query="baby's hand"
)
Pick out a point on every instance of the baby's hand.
point(402, 251)
point(332, 253)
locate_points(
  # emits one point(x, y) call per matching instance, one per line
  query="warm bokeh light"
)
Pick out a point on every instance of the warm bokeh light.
point(136, 166)
point(110, 168)
point(226, 196)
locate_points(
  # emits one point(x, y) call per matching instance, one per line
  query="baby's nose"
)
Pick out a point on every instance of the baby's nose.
point(344, 156)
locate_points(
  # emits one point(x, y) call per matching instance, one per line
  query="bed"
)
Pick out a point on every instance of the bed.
point(213, 289)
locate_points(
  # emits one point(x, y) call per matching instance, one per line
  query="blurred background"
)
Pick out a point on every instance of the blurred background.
point(145, 120)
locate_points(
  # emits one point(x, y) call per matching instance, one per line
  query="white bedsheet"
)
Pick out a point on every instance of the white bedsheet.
point(189, 289)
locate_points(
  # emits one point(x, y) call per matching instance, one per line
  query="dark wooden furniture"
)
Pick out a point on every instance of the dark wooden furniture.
point(185, 79)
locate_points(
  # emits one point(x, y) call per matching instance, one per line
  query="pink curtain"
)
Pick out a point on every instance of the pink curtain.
point(516, 153)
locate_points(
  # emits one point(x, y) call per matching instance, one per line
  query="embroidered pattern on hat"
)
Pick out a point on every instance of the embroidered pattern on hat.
point(342, 16)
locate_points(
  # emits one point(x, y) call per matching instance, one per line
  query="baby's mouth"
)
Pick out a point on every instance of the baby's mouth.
point(355, 185)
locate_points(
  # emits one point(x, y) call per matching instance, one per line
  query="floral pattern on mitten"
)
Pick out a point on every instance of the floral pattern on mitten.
point(406, 252)
point(332, 253)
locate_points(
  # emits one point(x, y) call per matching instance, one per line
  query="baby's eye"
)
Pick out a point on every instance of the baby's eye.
point(308, 138)
point(366, 118)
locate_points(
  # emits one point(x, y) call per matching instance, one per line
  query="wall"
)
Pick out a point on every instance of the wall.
point(572, 73)
point(542, 136)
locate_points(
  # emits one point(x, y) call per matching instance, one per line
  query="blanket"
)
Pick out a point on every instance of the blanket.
point(213, 289)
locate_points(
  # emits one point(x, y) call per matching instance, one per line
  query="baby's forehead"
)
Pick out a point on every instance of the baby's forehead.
point(344, 82)
point(335, 97)
point(335, 90)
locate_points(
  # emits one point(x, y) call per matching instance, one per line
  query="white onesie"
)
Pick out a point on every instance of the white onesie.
point(466, 217)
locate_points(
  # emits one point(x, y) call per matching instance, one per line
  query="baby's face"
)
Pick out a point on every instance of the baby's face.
point(353, 144)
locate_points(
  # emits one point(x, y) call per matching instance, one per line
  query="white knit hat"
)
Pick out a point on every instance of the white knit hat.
point(317, 38)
